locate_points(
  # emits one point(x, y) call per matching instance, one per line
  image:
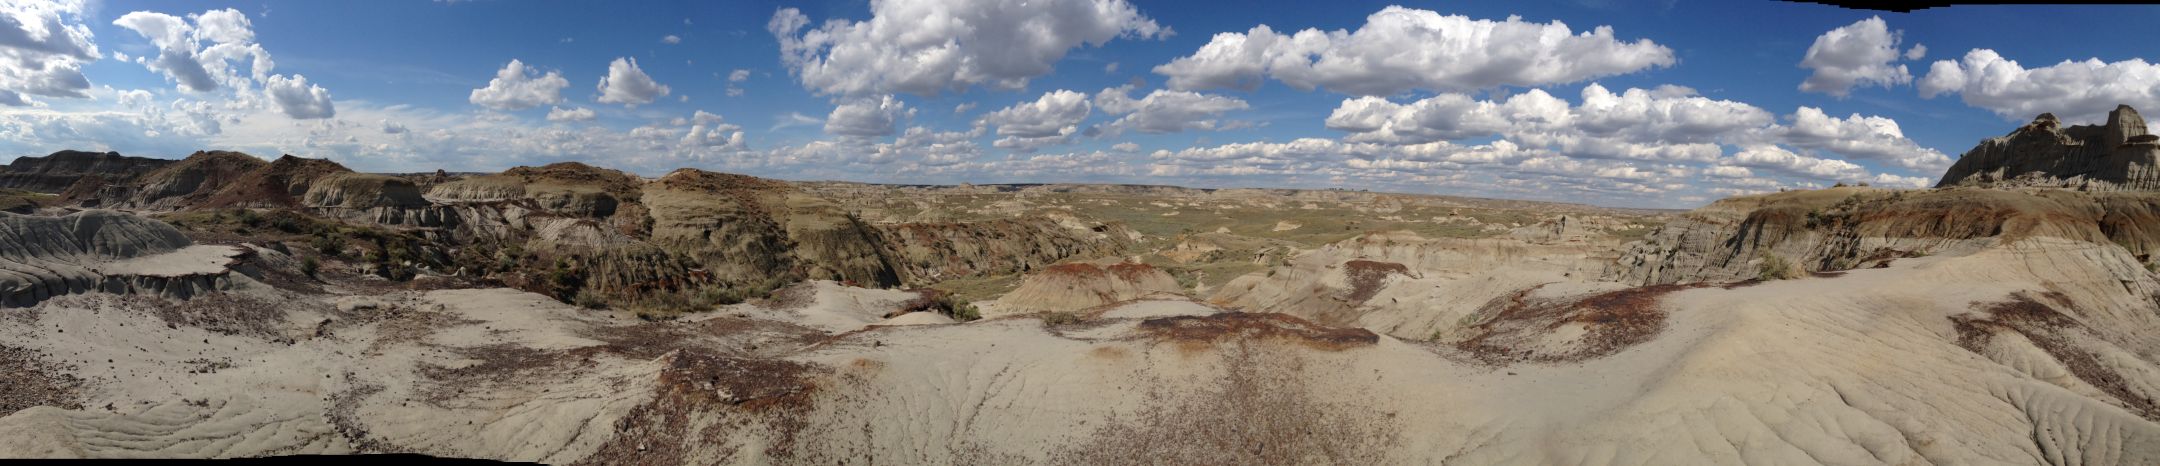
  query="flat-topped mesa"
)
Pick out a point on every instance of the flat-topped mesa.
point(2120, 155)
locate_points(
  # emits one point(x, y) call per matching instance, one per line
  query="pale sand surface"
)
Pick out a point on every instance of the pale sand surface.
point(1861, 368)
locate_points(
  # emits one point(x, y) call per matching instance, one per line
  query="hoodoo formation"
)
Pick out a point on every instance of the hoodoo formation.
point(2119, 155)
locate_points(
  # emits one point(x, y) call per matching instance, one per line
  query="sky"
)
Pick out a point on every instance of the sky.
point(1655, 103)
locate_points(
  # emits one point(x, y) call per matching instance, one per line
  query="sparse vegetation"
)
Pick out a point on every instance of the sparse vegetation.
point(1055, 319)
point(1775, 267)
point(933, 300)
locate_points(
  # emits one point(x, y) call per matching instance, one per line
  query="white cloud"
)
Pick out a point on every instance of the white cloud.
point(627, 84)
point(738, 75)
point(1865, 137)
point(1858, 54)
point(571, 114)
point(926, 47)
point(390, 127)
point(297, 98)
point(671, 39)
point(928, 147)
point(1125, 147)
point(1665, 124)
point(866, 117)
point(2076, 91)
point(1050, 119)
point(42, 48)
point(204, 51)
point(708, 130)
point(519, 87)
point(964, 107)
point(1777, 158)
point(1165, 111)
point(1401, 49)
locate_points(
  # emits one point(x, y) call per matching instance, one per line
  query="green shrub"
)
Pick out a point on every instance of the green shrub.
point(329, 244)
point(1774, 267)
point(309, 266)
point(1060, 318)
point(589, 300)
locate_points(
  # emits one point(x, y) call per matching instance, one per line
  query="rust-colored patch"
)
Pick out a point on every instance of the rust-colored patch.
point(1612, 321)
point(1265, 409)
point(1108, 352)
point(1367, 276)
point(740, 394)
point(1216, 328)
point(865, 366)
point(2055, 333)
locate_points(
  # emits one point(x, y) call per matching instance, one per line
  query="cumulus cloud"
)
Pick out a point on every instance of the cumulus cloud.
point(671, 39)
point(709, 130)
point(928, 147)
point(866, 117)
point(1865, 137)
point(926, 47)
point(1049, 120)
point(298, 99)
point(518, 87)
point(1164, 111)
point(2077, 91)
point(1665, 124)
point(42, 48)
point(627, 84)
point(560, 114)
point(1857, 54)
point(203, 51)
point(1401, 49)
point(391, 127)
point(1777, 158)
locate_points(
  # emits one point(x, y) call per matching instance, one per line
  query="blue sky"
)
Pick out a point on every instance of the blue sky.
point(1656, 103)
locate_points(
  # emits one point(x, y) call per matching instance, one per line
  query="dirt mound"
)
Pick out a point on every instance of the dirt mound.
point(1366, 277)
point(362, 191)
point(616, 182)
point(1518, 329)
point(281, 183)
point(1076, 286)
point(179, 185)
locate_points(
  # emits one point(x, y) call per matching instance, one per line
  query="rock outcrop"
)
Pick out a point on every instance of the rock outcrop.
point(2117, 155)
point(1846, 228)
point(183, 184)
point(43, 257)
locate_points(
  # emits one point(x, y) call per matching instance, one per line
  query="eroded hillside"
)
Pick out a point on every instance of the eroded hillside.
point(572, 314)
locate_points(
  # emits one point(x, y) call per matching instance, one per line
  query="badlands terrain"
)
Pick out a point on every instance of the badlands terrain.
point(224, 305)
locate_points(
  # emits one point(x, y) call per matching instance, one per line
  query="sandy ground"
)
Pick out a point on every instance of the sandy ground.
point(1922, 362)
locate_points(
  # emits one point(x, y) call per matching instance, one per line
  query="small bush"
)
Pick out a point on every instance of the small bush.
point(1060, 318)
point(931, 300)
point(331, 244)
point(1774, 267)
point(309, 266)
point(589, 300)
